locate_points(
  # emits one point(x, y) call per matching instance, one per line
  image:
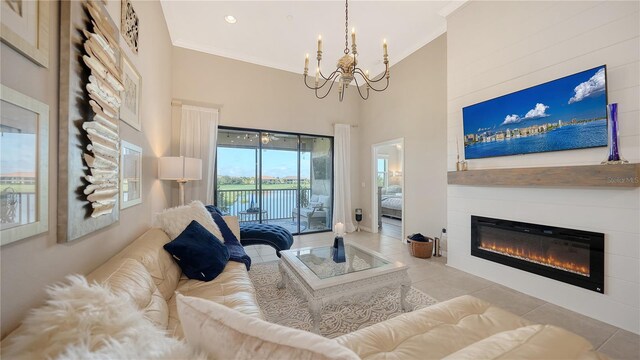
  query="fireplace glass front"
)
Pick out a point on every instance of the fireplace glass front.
point(572, 256)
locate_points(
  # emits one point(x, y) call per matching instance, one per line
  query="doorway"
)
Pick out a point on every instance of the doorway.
point(388, 188)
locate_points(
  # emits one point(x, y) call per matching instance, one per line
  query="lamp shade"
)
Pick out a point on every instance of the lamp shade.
point(179, 168)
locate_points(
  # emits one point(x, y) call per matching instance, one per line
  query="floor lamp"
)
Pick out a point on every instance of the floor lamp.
point(181, 169)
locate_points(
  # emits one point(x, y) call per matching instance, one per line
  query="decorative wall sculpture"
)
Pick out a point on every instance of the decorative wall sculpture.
point(129, 24)
point(105, 83)
point(90, 85)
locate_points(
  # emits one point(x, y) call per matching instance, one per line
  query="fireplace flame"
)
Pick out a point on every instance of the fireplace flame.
point(532, 256)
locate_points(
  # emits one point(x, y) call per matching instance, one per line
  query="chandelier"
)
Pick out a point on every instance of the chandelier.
point(347, 69)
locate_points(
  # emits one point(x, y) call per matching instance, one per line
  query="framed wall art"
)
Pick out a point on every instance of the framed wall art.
point(25, 27)
point(132, 82)
point(24, 169)
point(88, 122)
point(564, 114)
point(129, 25)
point(130, 174)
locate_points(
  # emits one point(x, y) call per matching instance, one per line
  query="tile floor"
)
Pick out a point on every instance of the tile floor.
point(442, 282)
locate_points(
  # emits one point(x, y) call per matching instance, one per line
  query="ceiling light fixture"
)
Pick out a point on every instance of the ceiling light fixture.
point(347, 67)
point(230, 19)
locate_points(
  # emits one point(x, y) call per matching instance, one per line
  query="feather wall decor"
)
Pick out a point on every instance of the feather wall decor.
point(105, 84)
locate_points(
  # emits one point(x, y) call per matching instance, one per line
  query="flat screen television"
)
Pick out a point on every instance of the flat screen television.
point(563, 114)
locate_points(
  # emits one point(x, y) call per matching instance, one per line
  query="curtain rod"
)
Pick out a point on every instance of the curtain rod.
point(180, 102)
point(352, 125)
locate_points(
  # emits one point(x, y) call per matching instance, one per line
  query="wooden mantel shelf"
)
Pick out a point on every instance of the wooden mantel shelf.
point(623, 175)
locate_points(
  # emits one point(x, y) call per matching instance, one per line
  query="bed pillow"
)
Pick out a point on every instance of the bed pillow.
point(200, 255)
point(224, 333)
point(174, 220)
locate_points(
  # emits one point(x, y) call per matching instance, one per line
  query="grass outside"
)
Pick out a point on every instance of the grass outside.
point(19, 188)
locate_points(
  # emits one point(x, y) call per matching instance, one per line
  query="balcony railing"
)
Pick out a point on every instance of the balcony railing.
point(276, 204)
point(17, 208)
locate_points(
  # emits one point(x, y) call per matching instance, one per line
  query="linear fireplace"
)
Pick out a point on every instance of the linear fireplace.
point(572, 256)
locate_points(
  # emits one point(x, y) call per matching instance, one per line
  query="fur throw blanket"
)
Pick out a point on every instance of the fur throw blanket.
point(88, 321)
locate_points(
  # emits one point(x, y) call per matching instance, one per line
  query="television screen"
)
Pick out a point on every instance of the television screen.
point(564, 114)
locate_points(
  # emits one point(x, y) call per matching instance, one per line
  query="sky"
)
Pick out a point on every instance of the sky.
point(579, 96)
point(17, 152)
point(276, 163)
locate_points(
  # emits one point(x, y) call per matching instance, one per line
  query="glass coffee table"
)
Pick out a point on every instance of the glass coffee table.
point(313, 274)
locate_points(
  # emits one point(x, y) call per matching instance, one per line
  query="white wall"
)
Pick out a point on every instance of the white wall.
point(258, 97)
point(413, 107)
point(495, 48)
point(29, 265)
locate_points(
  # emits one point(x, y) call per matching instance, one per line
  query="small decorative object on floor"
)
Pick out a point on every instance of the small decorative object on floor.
point(437, 250)
point(338, 244)
point(358, 218)
point(612, 127)
point(420, 246)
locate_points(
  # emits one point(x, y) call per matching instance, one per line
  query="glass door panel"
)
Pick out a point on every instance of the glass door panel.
point(236, 173)
point(316, 190)
point(279, 185)
point(275, 178)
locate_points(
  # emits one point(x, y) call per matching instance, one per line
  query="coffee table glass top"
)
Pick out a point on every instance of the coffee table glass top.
point(320, 261)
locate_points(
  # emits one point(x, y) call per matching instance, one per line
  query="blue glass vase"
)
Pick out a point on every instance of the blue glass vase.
point(612, 129)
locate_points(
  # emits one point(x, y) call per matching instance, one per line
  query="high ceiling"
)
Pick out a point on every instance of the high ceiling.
point(278, 34)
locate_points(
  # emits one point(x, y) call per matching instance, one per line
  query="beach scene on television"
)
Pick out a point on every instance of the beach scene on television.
point(567, 113)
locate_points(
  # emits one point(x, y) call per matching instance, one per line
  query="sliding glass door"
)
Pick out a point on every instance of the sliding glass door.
point(277, 178)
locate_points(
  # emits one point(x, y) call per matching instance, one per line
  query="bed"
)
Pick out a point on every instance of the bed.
point(389, 202)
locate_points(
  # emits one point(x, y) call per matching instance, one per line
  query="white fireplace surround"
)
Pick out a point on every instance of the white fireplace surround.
point(527, 47)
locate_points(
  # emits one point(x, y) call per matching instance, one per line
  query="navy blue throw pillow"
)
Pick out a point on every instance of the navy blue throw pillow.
point(214, 209)
point(198, 252)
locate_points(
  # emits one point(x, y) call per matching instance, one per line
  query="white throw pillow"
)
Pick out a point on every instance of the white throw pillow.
point(174, 220)
point(87, 321)
point(224, 333)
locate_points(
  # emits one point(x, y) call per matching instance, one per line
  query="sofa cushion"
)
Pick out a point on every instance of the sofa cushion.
point(174, 220)
point(529, 342)
point(130, 278)
point(148, 250)
point(198, 252)
point(232, 288)
point(224, 333)
point(433, 332)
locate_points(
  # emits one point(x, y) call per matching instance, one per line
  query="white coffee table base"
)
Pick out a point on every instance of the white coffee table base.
point(352, 291)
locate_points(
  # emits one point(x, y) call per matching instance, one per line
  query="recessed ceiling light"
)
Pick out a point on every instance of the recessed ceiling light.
point(230, 19)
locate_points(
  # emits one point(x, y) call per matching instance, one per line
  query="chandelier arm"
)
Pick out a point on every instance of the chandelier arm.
point(372, 81)
point(383, 89)
point(307, 85)
point(327, 93)
point(331, 78)
point(358, 87)
point(333, 75)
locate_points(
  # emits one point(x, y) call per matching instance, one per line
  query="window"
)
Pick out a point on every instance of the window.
point(277, 178)
point(383, 171)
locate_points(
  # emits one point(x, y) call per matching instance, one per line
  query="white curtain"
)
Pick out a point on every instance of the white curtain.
point(198, 133)
point(342, 176)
